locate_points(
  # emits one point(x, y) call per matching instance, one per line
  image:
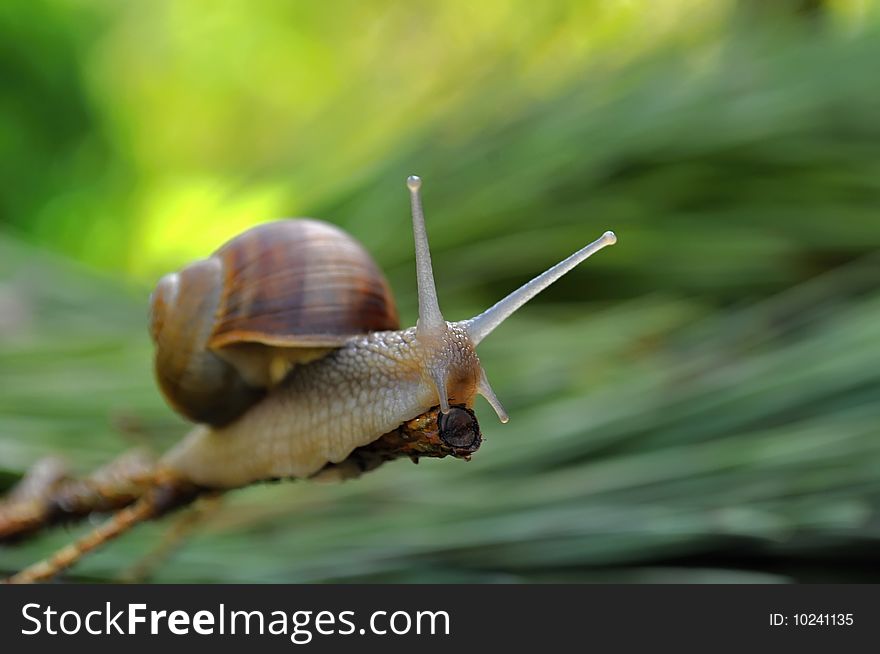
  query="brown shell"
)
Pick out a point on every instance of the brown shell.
point(228, 327)
point(300, 282)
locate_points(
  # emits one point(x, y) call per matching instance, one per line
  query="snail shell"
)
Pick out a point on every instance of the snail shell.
point(229, 327)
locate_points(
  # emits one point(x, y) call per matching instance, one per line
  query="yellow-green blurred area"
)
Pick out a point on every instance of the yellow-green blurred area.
point(699, 403)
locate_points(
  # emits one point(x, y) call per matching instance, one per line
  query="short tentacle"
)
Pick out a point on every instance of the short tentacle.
point(484, 389)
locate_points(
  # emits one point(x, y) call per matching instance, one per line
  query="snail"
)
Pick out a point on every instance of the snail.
point(285, 346)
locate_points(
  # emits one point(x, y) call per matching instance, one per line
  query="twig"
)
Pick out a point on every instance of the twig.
point(48, 495)
point(181, 528)
point(141, 510)
point(157, 502)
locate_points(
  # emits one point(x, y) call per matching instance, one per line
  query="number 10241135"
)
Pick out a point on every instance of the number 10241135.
point(811, 620)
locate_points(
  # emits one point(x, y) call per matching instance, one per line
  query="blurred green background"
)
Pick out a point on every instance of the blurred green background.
point(699, 403)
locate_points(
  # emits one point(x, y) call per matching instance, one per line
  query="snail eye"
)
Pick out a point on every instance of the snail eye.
point(459, 428)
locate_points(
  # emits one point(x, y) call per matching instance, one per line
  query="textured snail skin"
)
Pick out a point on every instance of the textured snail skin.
point(327, 408)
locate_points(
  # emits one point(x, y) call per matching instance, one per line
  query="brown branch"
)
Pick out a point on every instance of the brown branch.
point(48, 495)
point(158, 500)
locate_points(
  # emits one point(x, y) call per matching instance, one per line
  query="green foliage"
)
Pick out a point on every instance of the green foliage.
point(699, 403)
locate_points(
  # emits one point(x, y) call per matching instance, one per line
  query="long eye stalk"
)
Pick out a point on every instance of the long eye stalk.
point(430, 318)
point(485, 323)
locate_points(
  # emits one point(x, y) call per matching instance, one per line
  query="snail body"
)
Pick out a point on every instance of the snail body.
point(320, 413)
point(284, 345)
